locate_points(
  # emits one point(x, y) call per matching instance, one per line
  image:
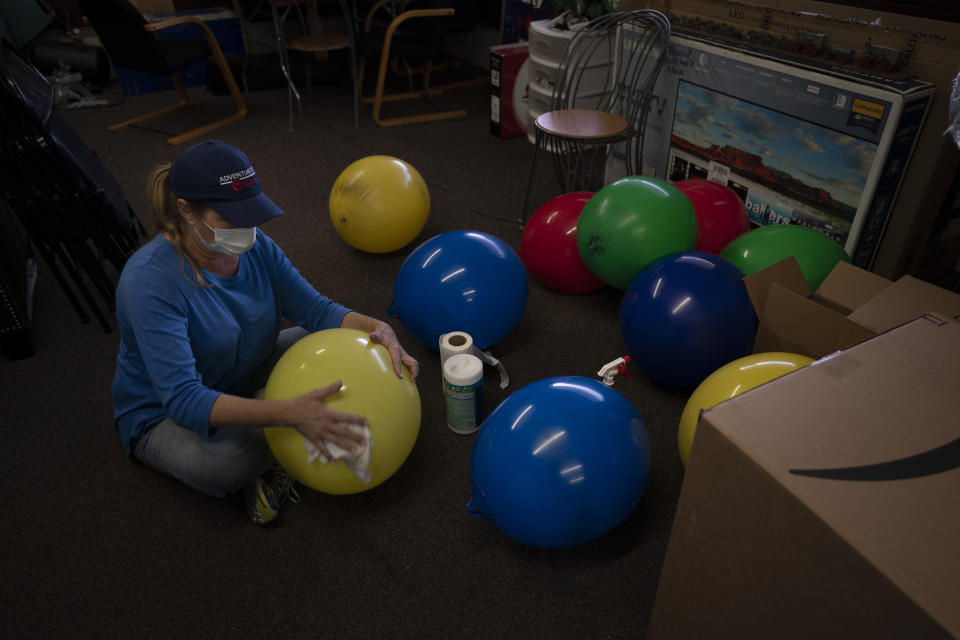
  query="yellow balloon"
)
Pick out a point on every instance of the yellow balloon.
point(379, 204)
point(370, 389)
point(731, 380)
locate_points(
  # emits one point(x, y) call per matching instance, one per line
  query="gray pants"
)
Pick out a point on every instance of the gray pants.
point(227, 459)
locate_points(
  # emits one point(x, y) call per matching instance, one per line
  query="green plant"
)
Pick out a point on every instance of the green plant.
point(588, 9)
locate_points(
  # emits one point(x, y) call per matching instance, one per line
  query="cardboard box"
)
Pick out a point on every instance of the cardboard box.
point(799, 145)
point(823, 504)
point(850, 305)
point(509, 72)
point(873, 42)
point(932, 49)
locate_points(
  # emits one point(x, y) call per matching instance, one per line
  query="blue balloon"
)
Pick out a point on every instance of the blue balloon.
point(460, 281)
point(560, 462)
point(686, 315)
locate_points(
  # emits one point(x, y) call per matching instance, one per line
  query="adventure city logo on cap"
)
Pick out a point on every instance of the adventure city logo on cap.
point(240, 179)
point(222, 177)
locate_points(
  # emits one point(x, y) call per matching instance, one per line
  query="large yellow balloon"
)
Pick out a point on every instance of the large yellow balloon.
point(370, 389)
point(731, 380)
point(379, 204)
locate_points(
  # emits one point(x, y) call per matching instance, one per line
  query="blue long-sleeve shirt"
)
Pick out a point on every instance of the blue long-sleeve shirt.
point(182, 345)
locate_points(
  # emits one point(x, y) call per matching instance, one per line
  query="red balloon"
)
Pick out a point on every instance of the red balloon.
point(548, 247)
point(721, 215)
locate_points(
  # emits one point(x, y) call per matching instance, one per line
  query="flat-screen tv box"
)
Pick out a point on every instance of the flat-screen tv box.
point(804, 145)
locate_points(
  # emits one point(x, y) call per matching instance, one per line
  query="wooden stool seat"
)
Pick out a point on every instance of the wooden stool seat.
point(593, 130)
point(321, 42)
point(582, 124)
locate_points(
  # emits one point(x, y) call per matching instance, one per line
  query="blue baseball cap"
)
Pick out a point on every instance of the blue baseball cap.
point(220, 176)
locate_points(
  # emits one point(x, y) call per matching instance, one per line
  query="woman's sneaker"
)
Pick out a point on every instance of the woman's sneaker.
point(266, 495)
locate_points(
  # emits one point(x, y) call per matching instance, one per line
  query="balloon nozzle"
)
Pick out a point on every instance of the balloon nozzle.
point(477, 506)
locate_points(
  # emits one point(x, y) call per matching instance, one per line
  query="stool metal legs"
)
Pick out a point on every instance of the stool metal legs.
point(579, 165)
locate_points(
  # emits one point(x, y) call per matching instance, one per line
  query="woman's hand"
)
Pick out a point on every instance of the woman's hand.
point(319, 423)
point(385, 335)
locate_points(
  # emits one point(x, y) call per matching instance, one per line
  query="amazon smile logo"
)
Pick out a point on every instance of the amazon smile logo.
point(937, 460)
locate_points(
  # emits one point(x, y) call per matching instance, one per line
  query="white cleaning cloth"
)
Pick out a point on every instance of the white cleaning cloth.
point(358, 462)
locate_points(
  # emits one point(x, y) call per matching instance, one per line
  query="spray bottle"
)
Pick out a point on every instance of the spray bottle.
point(613, 369)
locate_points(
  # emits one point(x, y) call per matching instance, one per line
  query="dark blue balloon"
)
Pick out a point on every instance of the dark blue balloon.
point(686, 315)
point(460, 281)
point(560, 462)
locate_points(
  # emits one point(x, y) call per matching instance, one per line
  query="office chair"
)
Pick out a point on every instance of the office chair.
point(132, 43)
point(584, 126)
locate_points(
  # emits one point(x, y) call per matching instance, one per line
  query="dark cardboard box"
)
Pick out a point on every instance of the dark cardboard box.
point(823, 504)
point(508, 90)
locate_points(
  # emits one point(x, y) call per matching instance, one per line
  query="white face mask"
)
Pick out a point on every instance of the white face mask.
point(231, 242)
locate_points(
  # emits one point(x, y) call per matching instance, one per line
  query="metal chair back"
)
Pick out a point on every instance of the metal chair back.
point(611, 65)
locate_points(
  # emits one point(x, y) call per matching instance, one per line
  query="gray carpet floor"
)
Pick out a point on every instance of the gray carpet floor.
point(96, 545)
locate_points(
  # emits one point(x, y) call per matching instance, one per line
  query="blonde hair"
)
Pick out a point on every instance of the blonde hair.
point(169, 222)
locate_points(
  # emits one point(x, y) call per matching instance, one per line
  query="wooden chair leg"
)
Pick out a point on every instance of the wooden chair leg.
point(379, 99)
point(153, 115)
point(388, 97)
point(381, 78)
point(217, 53)
point(235, 92)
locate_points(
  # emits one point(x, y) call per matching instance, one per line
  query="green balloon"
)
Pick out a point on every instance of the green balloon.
point(629, 223)
point(816, 253)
